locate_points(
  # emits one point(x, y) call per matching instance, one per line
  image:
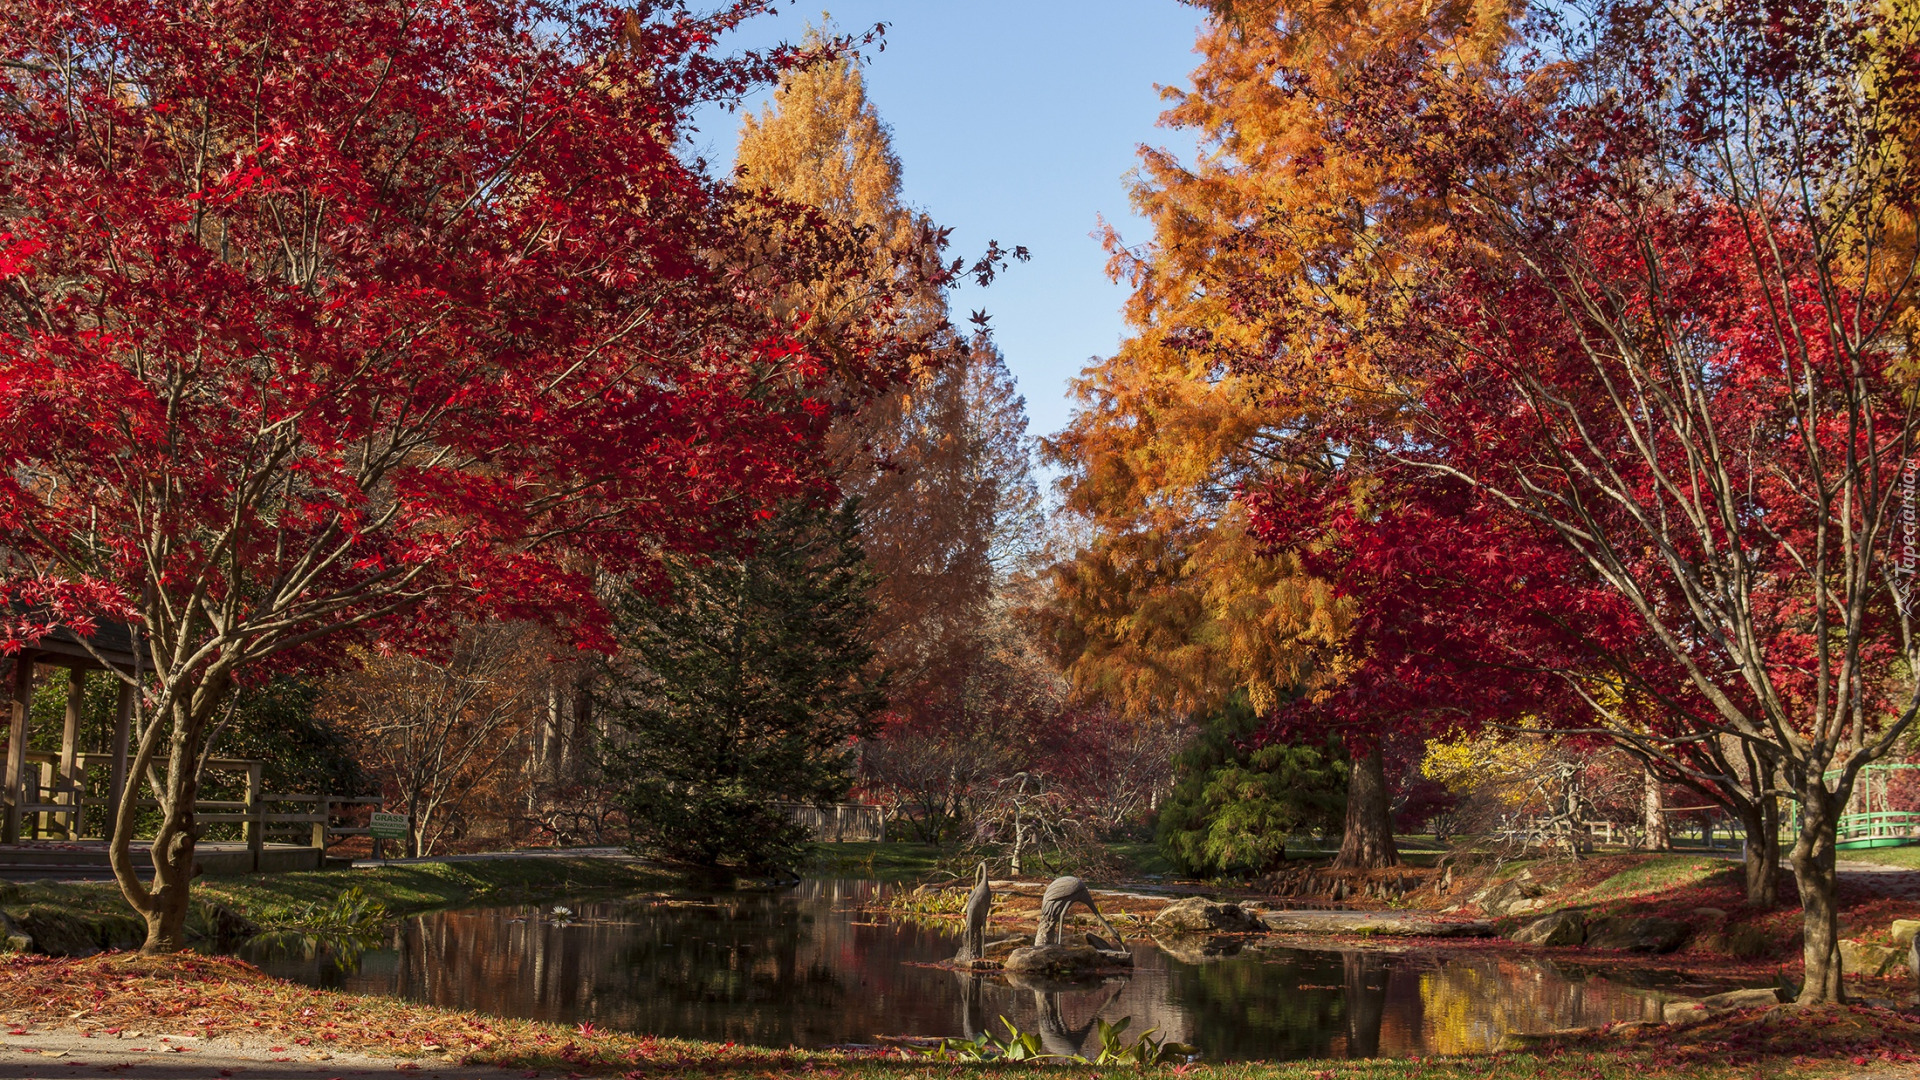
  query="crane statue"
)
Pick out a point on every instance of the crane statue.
point(973, 946)
point(1054, 904)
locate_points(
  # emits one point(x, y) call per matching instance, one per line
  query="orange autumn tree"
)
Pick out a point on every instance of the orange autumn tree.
point(938, 465)
point(1168, 603)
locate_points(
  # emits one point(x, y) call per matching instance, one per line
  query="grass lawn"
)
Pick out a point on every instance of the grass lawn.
point(76, 914)
point(893, 860)
point(1652, 875)
point(1907, 858)
point(212, 997)
point(1142, 857)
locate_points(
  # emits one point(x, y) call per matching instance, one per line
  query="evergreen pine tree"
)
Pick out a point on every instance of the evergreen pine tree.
point(939, 465)
point(1235, 805)
point(743, 688)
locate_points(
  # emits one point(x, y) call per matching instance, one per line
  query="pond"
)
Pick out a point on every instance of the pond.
point(814, 967)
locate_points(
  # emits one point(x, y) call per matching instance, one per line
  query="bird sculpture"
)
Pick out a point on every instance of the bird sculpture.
point(1054, 904)
point(973, 946)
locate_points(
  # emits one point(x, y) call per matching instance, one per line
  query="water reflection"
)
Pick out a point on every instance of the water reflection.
point(812, 968)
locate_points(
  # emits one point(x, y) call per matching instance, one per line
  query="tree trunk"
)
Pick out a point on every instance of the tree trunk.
point(1762, 827)
point(1653, 815)
point(580, 735)
point(550, 738)
point(1813, 872)
point(163, 903)
point(167, 920)
point(1367, 842)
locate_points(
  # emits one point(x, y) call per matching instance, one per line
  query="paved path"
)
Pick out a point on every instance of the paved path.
point(55, 1055)
point(1898, 882)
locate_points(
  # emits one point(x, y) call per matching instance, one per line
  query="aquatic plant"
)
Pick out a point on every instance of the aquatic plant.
point(342, 928)
point(1144, 1051)
point(1026, 1046)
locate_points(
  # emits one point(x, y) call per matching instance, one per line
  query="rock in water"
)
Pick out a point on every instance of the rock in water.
point(1063, 961)
point(1198, 948)
point(1199, 915)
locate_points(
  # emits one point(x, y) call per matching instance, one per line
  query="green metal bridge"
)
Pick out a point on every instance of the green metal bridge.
point(1885, 808)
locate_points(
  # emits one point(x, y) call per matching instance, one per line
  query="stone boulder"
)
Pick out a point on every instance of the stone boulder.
point(1514, 896)
point(1198, 948)
point(1903, 931)
point(1689, 1012)
point(1199, 915)
point(1732, 1000)
point(12, 938)
point(1559, 928)
point(1679, 1013)
point(1064, 961)
point(1867, 961)
point(999, 948)
point(1649, 935)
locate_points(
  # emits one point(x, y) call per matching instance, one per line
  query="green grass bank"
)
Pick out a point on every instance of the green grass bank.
point(70, 918)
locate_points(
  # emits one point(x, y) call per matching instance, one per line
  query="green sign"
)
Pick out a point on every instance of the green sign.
point(388, 826)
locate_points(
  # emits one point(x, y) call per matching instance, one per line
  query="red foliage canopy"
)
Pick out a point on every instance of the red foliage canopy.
point(318, 314)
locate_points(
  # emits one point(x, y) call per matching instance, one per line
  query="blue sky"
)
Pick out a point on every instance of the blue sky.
point(1016, 121)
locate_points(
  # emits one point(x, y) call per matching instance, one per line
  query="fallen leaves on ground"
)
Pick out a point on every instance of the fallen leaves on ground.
point(213, 996)
point(160, 998)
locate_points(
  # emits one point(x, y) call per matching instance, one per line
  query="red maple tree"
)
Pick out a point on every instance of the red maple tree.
point(1656, 361)
point(329, 322)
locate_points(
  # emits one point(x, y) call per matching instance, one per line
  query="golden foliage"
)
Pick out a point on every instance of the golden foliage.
point(939, 465)
point(1500, 767)
point(1169, 603)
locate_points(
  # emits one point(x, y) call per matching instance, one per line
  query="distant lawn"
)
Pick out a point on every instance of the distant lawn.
point(1653, 875)
point(403, 887)
point(1142, 857)
point(893, 860)
point(1906, 857)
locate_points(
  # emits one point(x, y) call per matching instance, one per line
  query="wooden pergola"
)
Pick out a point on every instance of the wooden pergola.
point(111, 646)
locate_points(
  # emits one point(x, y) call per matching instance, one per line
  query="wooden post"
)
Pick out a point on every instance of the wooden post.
point(69, 778)
point(20, 698)
point(256, 820)
point(43, 793)
point(122, 725)
point(320, 827)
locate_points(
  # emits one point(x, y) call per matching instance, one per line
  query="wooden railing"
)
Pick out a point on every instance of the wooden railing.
point(840, 822)
point(51, 809)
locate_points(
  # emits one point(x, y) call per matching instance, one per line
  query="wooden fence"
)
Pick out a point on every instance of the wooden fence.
point(51, 809)
point(840, 822)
